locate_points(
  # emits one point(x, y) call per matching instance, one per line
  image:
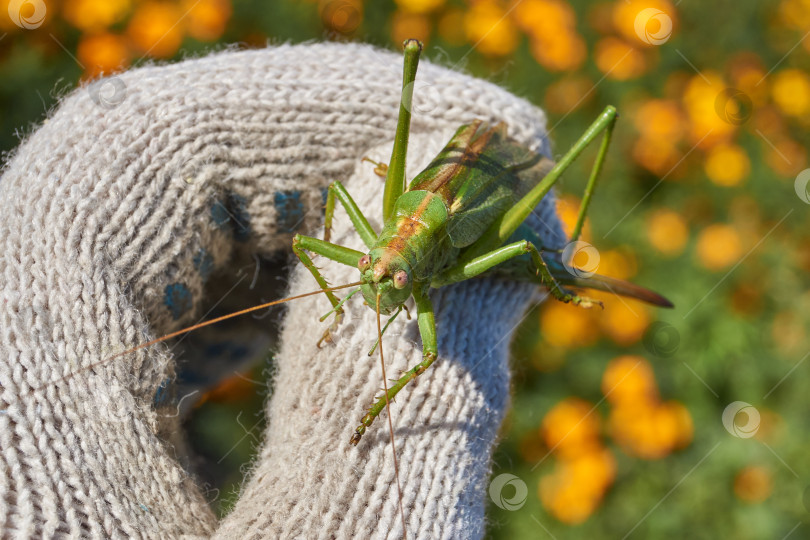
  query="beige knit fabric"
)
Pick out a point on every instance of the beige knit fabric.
point(112, 201)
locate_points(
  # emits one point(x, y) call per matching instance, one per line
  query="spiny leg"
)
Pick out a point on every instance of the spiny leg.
point(427, 330)
point(502, 229)
point(488, 261)
point(337, 191)
point(349, 257)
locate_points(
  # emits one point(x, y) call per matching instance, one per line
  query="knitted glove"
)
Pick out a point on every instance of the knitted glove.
point(114, 213)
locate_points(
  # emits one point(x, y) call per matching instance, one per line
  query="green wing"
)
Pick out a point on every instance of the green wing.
point(480, 174)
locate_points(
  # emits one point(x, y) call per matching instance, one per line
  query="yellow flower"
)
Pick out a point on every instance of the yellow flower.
point(565, 51)
point(791, 92)
point(95, 14)
point(102, 53)
point(625, 13)
point(667, 232)
point(155, 29)
point(571, 427)
point(405, 25)
point(629, 379)
point(544, 17)
point(619, 60)
point(713, 115)
point(660, 119)
point(753, 484)
point(618, 263)
point(795, 14)
point(576, 487)
point(489, 30)
point(727, 165)
point(624, 320)
point(657, 155)
point(564, 325)
point(206, 19)
point(718, 246)
point(568, 209)
point(568, 93)
point(420, 6)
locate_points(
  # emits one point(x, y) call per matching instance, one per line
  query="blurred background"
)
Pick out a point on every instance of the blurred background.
point(627, 422)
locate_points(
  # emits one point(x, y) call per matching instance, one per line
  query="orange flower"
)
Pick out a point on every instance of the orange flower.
point(658, 156)
point(420, 6)
point(619, 60)
point(102, 53)
point(571, 427)
point(544, 17)
point(95, 14)
point(753, 484)
point(564, 52)
point(564, 325)
point(727, 165)
point(667, 232)
point(791, 92)
point(718, 246)
point(629, 379)
point(646, 22)
point(650, 430)
point(155, 29)
point(567, 207)
point(624, 320)
point(714, 113)
point(405, 25)
point(568, 93)
point(206, 19)
point(489, 30)
point(660, 119)
point(576, 487)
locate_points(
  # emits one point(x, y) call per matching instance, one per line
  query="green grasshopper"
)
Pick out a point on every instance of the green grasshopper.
point(460, 218)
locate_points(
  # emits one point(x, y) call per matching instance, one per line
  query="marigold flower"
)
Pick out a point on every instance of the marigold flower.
point(206, 19)
point(489, 30)
point(791, 92)
point(718, 246)
point(155, 29)
point(405, 25)
point(102, 53)
point(629, 379)
point(571, 427)
point(619, 60)
point(667, 232)
point(89, 15)
point(727, 165)
point(753, 484)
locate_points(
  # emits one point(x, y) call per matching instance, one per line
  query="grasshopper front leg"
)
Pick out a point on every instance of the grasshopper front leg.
point(427, 330)
point(349, 257)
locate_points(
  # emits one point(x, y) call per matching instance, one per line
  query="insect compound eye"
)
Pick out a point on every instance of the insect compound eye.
point(364, 263)
point(400, 279)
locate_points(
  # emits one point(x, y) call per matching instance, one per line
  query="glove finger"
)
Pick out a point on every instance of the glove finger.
point(308, 478)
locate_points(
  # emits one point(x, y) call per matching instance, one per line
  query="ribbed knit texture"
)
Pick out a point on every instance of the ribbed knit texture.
point(110, 217)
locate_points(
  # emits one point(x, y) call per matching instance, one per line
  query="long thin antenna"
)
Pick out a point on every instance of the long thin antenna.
point(192, 328)
point(390, 422)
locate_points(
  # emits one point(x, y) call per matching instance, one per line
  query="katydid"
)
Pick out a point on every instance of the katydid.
point(460, 218)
